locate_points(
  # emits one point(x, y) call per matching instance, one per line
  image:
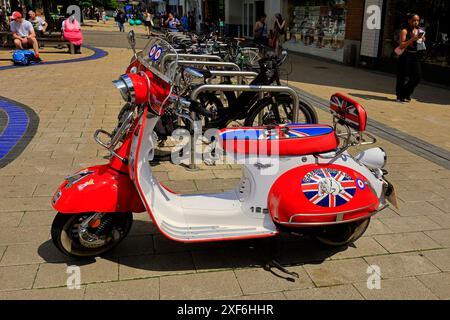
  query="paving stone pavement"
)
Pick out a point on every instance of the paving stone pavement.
point(411, 245)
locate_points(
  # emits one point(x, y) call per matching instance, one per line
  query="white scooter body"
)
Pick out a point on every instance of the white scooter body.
point(240, 213)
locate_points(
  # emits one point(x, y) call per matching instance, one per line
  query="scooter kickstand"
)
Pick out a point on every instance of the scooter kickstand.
point(274, 250)
point(276, 264)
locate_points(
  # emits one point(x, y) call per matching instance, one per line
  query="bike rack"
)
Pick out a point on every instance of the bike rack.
point(241, 88)
point(209, 64)
point(229, 73)
point(206, 57)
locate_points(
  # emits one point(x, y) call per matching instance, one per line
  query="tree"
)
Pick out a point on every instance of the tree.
point(107, 4)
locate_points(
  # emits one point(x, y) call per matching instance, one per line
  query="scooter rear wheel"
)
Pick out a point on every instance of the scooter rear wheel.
point(344, 234)
point(106, 234)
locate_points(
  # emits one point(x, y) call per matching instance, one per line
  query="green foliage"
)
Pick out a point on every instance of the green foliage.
point(107, 4)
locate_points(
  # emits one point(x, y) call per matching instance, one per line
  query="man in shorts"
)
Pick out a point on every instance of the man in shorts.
point(23, 33)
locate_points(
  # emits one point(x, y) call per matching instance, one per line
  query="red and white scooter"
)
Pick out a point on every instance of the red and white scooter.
point(296, 178)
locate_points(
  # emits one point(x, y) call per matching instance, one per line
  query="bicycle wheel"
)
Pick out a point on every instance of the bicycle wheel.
point(212, 103)
point(251, 58)
point(278, 110)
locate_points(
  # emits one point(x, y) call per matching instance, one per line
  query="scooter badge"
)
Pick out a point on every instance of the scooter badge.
point(328, 187)
point(84, 185)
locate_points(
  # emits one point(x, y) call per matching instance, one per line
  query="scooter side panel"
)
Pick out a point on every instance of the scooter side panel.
point(321, 193)
point(101, 190)
point(179, 217)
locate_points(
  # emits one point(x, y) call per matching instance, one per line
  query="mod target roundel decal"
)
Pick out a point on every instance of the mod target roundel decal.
point(328, 187)
point(361, 185)
point(158, 54)
point(152, 51)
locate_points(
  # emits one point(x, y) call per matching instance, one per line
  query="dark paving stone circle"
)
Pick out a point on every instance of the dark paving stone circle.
point(18, 126)
point(98, 53)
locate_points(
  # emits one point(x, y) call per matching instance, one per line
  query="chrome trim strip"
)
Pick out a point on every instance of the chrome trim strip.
point(327, 214)
point(328, 223)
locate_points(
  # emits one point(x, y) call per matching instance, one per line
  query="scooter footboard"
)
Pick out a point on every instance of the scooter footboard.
point(97, 189)
point(321, 195)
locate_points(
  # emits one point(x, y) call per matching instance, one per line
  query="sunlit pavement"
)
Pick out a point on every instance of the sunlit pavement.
point(410, 245)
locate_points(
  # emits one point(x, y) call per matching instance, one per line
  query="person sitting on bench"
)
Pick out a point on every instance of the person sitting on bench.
point(72, 32)
point(23, 33)
point(39, 24)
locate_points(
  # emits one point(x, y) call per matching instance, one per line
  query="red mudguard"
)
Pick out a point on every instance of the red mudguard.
point(100, 189)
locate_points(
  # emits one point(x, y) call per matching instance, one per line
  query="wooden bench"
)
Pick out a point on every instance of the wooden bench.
point(7, 40)
point(56, 39)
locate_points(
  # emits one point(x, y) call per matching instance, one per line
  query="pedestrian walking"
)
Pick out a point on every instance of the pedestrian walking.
point(185, 22)
point(104, 16)
point(120, 19)
point(192, 22)
point(148, 22)
point(279, 29)
point(408, 65)
point(97, 14)
point(260, 31)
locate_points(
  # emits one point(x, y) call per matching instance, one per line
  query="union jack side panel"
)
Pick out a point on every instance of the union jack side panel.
point(321, 194)
point(348, 110)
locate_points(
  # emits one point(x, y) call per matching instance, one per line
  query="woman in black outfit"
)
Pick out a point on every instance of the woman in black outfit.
point(409, 63)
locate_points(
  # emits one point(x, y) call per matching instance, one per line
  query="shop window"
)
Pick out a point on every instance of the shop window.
point(317, 27)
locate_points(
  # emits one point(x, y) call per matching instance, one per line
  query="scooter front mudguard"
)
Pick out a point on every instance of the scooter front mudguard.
point(97, 189)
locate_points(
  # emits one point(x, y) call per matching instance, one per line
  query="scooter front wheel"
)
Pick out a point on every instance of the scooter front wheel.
point(343, 234)
point(89, 234)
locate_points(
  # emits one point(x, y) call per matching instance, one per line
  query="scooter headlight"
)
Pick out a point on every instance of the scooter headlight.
point(133, 88)
point(126, 88)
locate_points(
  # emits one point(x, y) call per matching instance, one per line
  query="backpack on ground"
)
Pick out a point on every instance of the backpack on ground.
point(23, 57)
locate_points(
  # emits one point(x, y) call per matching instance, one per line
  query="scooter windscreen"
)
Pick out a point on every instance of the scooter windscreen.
point(160, 58)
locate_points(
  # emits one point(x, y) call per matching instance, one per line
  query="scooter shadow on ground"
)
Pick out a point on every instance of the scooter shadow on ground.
point(171, 256)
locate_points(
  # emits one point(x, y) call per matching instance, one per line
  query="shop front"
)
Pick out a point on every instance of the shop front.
point(317, 28)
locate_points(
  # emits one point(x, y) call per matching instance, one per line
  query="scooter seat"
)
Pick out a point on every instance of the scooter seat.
point(283, 140)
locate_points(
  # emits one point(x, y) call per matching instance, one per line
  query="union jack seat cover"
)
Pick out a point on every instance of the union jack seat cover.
point(285, 139)
point(348, 110)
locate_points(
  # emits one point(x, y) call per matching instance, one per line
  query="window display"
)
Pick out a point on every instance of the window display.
point(317, 27)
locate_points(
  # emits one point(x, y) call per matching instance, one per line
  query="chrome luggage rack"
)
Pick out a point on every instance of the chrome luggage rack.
point(351, 137)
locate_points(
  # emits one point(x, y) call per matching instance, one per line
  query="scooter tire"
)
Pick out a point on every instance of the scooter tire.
point(335, 237)
point(64, 241)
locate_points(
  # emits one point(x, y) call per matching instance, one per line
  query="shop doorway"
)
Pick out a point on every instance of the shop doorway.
point(252, 10)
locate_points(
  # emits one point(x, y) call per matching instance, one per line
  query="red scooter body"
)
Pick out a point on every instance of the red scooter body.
point(102, 188)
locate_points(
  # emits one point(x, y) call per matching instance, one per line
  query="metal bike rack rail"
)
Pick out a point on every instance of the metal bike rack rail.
point(200, 57)
point(209, 64)
point(242, 88)
point(230, 73)
point(208, 57)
